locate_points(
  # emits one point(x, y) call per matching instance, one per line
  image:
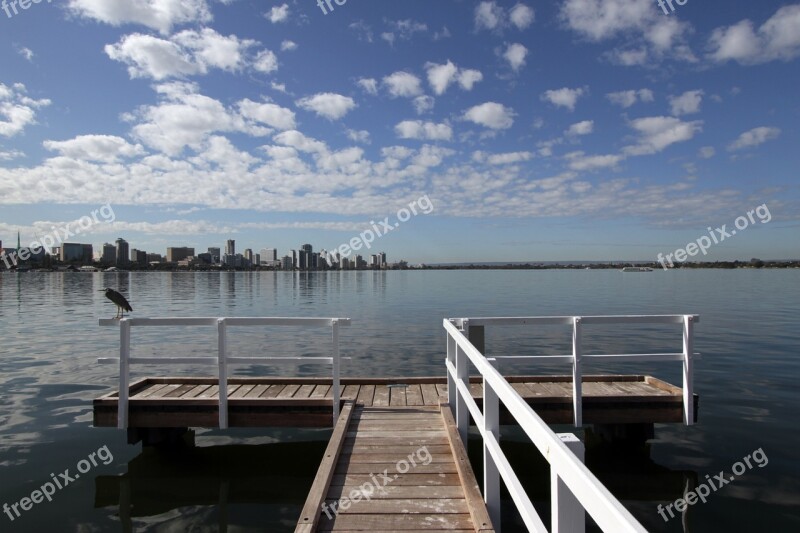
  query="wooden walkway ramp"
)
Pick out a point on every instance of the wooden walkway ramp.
point(401, 468)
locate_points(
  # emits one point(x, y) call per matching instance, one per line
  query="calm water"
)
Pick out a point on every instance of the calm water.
point(257, 480)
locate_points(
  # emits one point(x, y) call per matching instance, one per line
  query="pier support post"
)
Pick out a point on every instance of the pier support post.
point(568, 515)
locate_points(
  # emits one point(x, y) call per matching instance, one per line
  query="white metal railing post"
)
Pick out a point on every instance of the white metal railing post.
point(577, 385)
point(462, 375)
point(222, 359)
point(688, 377)
point(124, 372)
point(491, 474)
point(335, 381)
point(568, 515)
point(451, 384)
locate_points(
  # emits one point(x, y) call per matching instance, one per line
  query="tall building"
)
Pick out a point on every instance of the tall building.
point(269, 254)
point(302, 260)
point(72, 252)
point(179, 254)
point(109, 256)
point(382, 259)
point(216, 255)
point(122, 252)
point(287, 262)
point(294, 259)
point(248, 254)
point(230, 247)
point(139, 257)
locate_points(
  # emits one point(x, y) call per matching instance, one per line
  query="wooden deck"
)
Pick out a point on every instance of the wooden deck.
point(163, 402)
point(391, 468)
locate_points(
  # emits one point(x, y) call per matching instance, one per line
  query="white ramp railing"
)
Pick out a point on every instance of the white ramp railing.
point(574, 487)
point(222, 359)
point(576, 358)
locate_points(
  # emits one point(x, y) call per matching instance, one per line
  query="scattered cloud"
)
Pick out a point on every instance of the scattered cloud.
point(278, 13)
point(428, 131)
point(658, 133)
point(521, 16)
point(626, 99)
point(754, 137)
point(17, 109)
point(491, 115)
point(584, 127)
point(160, 16)
point(423, 104)
point(104, 148)
point(492, 17)
point(564, 97)
point(403, 84)
point(288, 45)
point(777, 39)
point(329, 105)
point(370, 85)
point(687, 103)
point(515, 55)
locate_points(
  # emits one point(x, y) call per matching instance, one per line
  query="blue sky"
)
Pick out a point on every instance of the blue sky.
point(559, 130)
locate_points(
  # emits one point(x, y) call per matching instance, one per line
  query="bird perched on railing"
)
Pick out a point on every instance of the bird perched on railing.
point(119, 300)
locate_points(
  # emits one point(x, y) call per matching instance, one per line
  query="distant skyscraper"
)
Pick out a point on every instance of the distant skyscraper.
point(230, 247)
point(179, 254)
point(122, 252)
point(215, 255)
point(382, 258)
point(248, 254)
point(109, 256)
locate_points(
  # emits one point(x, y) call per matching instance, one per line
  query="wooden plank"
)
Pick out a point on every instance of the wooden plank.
point(310, 515)
point(274, 391)
point(257, 391)
point(350, 392)
point(196, 391)
point(397, 396)
point(162, 393)
point(395, 522)
point(430, 396)
point(441, 389)
point(391, 466)
point(366, 395)
point(211, 392)
point(149, 391)
point(361, 449)
point(400, 505)
point(401, 491)
point(416, 480)
point(320, 391)
point(472, 493)
point(414, 394)
point(241, 391)
point(381, 398)
point(288, 391)
point(304, 391)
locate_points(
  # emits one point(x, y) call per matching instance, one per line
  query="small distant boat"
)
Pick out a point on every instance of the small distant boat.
point(88, 269)
point(637, 269)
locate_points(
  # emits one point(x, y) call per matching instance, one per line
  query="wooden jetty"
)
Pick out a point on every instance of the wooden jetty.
point(161, 402)
point(396, 460)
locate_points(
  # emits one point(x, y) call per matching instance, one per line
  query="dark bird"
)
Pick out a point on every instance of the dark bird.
point(119, 300)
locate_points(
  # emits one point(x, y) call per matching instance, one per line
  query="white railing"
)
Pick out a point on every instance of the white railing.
point(574, 487)
point(686, 355)
point(222, 359)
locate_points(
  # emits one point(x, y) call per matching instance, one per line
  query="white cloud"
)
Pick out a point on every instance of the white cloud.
point(423, 104)
point(581, 162)
point(521, 16)
point(509, 158)
point(491, 115)
point(370, 85)
point(359, 136)
point(584, 127)
point(515, 55)
point(754, 137)
point(564, 97)
point(687, 103)
point(265, 62)
point(17, 110)
point(489, 16)
point(468, 78)
point(329, 105)
point(186, 53)
point(777, 39)
point(160, 15)
point(272, 115)
point(405, 29)
point(626, 99)
point(288, 45)
point(403, 84)
point(649, 34)
point(428, 131)
point(440, 76)
point(707, 152)
point(27, 53)
point(105, 148)
point(658, 133)
point(278, 13)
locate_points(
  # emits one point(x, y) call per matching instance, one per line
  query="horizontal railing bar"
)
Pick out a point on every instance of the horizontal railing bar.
point(273, 360)
point(599, 503)
point(230, 321)
point(173, 361)
point(568, 358)
point(568, 320)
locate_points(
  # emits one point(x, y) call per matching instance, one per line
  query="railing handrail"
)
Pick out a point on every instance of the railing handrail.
point(221, 359)
point(568, 320)
point(601, 505)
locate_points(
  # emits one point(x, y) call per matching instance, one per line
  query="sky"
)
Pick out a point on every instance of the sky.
point(516, 131)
